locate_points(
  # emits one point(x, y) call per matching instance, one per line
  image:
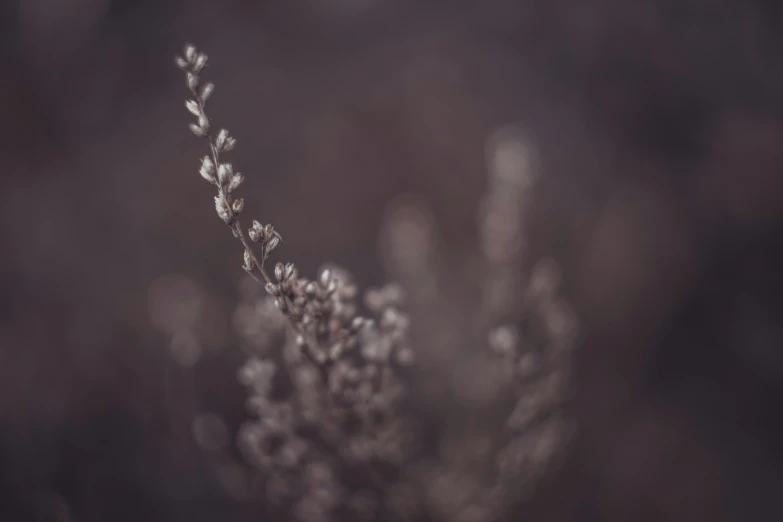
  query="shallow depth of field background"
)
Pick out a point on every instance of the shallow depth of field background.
point(660, 126)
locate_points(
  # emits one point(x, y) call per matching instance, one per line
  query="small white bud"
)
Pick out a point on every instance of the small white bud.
point(201, 61)
point(279, 271)
point(289, 271)
point(193, 107)
point(230, 143)
point(192, 81)
point(181, 62)
point(203, 122)
point(235, 182)
point(273, 243)
point(225, 173)
point(206, 175)
point(197, 130)
point(222, 210)
point(249, 264)
point(207, 170)
point(325, 277)
point(301, 342)
point(310, 289)
point(357, 323)
point(220, 141)
point(206, 92)
point(255, 232)
point(190, 53)
point(237, 206)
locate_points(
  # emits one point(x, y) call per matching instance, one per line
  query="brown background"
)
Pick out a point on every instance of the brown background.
point(661, 127)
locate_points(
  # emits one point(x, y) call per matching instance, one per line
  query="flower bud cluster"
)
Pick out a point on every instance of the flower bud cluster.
point(221, 175)
point(343, 412)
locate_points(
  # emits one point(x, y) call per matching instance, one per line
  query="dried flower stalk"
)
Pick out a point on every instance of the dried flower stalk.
point(331, 432)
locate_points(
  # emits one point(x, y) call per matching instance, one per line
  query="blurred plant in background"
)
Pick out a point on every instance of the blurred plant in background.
point(405, 402)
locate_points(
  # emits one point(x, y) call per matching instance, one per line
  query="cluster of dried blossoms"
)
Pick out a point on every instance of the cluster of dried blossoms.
point(337, 430)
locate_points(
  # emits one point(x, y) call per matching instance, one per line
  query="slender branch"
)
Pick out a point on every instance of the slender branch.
point(236, 228)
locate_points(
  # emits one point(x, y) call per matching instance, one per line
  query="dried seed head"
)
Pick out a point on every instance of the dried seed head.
point(193, 107)
point(325, 277)
point(269, 231)
point(289, 271)
point(230, 144)
point(206, 92)
point(256, 232)
point(206, 164)
point(236, 180)
point(190, 53)
point(203, 122)
point(207, 169)
point(273, 289)
point(223, 211)
point(220, 141)
point(273, 243)
point(192, 81)
point(249, 264)
point(279, 271)
point(200, 63)
point(225, 173)
point(357, 323)
point(197, 130)
point(237, 206)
